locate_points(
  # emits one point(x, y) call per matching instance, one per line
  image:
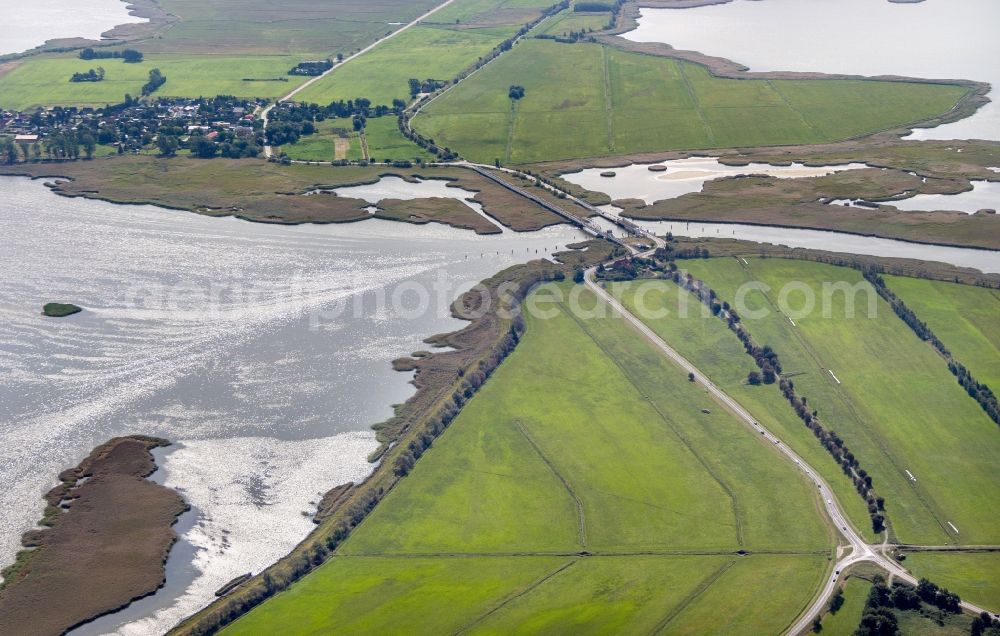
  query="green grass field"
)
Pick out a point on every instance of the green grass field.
point(302, 28)
point(975, 576)
point(965, 318)
point(44, 80)
point(386, 142)
point(383, 74)
point(629, 102)
point(569, 21)
point(847, 618)
point(897, 407)
point(584, 439)
point(486, 13)
point(321, 146)
point(707, 342)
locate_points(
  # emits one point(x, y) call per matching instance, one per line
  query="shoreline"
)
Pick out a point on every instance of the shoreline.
point(156, 19)
point(520, 216)
point(109, 553)
point(225, 213)
point(444, 380)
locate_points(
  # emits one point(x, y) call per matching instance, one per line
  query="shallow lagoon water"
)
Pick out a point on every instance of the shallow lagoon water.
point(26, 25)
point(934, 39)
point(262, 350)
point(985, 195)
point(393, 187)
point(684, 176)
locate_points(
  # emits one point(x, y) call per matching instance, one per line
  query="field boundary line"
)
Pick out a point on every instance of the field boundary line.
point(697, 104)
point(667, 554)
point(364, 145)
point(733, 499)
point(609, 108)
point(511, 116)
point(795, 110)
point(581, 527)
point(701, 588)
point(509, 599)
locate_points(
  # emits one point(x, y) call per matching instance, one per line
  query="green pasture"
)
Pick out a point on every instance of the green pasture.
point(965, 318)
point(44, 80)
point(383, 74)
point(848, 617)
point(320, 146)
point(975, 576)
point(386, 142)
point(677, 317)
point(587, 99)
point(896, 405)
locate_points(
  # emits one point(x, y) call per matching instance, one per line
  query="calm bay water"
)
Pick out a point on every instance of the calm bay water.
point(25, 25)
point(262, 350)
point(936, 39)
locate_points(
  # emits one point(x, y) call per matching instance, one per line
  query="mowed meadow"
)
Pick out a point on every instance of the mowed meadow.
point(582, 489)
point(593, 100)
point(887, 393)
point(966, 318)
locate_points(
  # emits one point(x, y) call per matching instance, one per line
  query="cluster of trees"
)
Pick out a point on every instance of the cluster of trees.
point(669, 252)
point(130, 56)
point(156, 80)
point(61, 145)
point(290, 122)
point(93, 75)
point(311, 67)
point(516, 92)
point(984, 625)
point(978, 391)
point(425, 86)
point(878, 618)
point(280, 133)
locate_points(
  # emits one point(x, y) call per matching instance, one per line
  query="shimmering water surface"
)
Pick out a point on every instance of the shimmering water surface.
point(262, 350)
point(25, 25)
point(684, 176)
point(936, 39)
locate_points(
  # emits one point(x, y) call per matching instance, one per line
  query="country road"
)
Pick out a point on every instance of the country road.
point(263, 114)
point(859, 551)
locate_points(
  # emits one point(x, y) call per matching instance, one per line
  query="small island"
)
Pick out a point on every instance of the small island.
point(60, 310)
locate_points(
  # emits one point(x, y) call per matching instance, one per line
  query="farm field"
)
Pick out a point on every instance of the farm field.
point(973, 575)
point(965, 318)
point(707, 342)
point(630, 103)
point(422, 52)
point(385, 142)
point(568, 22)
point(847, 618)
point(44, 80)
point(489, 13)
point(298, 27)
point(212, 47)
point(889, 396)
point(327, 144)
point(584, 439)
